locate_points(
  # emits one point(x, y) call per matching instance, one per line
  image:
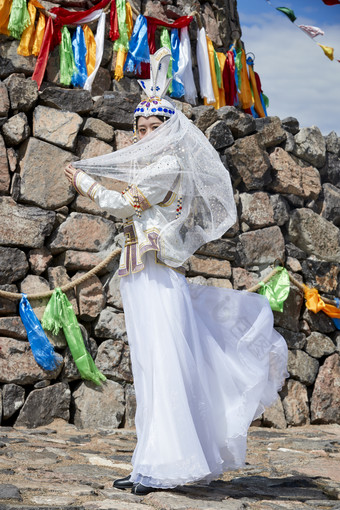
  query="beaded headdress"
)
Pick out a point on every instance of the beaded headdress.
point(155, 88)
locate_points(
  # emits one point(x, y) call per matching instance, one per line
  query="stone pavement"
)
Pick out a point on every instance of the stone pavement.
point(62, 467)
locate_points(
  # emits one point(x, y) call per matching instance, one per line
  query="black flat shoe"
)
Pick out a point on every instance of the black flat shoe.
point(141, 490)
point(123, 483)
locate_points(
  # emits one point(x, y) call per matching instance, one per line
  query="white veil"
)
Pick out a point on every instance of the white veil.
point(199, 177)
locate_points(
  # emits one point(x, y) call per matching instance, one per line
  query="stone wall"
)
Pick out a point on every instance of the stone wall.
point(287, 189)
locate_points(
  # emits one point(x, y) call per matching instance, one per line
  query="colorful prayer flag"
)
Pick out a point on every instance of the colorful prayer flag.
point(288, 12)
point(328, 51)
point(311, 31)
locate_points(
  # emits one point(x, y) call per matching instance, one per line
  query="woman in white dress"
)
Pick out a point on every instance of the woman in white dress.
point(206, 361)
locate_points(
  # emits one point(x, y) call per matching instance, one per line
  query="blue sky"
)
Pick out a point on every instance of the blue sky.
point(298, 78)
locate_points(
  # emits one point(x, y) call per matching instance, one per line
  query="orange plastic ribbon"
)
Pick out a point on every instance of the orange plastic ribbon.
point(245, 95)
point(5, 9)
point(26, 41)
point(90, 43)
point(315, 304)
point(257, 100)
point(39, 35)
point(213, 75)
point(222, 59)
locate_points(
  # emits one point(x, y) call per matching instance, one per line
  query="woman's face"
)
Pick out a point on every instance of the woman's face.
point(145, 125)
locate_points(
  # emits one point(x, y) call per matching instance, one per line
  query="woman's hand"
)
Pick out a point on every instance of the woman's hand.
point(69, 172)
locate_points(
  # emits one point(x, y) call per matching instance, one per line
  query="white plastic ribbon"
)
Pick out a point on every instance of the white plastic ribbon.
point(311, 31)
point(206, 87)
point(184, 73)
point(99, 38)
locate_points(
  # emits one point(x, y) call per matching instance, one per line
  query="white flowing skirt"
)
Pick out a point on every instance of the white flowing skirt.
point(206, 362)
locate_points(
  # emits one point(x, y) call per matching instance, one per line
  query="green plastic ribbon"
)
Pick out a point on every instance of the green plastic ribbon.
point(266, 100)
point(276, 290)
point(166, 42)
point(59, 314)
point(68, 67)
point(217, 70)
point(123, 42)
point(238, 65)
point(19, 18)
point(288, 12)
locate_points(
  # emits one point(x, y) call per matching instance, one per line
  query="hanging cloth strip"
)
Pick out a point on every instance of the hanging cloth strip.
point(177, 85)
point(245, 96)
point(90, 44)
point(67, 65)
point(79, 53)
point(41, 63)
point(123, 42)
point(263, 97)
point(328, 51)
point(99, 38)
point(5, 9)
point(26, 41)
point(206, 86)
point(138, 47)
point(228, 75)
point(41, 347)
point(222, 62)
point(211, 54)
point(59, 314)
point(114, 29)
point(314, 303)
point(39, 35)
point(153, 23)
point(122, 50)
point(277, 289)
point(184, 73)
point(165, 42)
point(19, 18)
point(256, 93)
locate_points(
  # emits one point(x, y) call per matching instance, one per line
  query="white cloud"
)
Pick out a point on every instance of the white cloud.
point(298, 78)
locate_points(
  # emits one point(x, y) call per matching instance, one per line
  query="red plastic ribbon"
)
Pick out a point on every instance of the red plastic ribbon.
point(114, 28)
point(331, 2)
point(41, 63)
point(153, 23)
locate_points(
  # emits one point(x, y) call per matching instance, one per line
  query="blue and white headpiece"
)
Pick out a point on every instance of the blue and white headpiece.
point(156, 86)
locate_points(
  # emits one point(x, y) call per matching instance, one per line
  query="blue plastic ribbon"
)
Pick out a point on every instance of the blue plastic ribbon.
point(79, 52)
point(337, 321)
point(138, 47)
point(42, 349)
point(177, 87)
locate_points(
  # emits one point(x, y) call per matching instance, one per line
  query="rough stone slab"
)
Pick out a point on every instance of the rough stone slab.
point(211, 25)
point(123, 138)
point(22, 226)
point(13, 398)
point(11, 62)
point(323, 275)
point(314, 235)
point(289, 318)
point(224, 249)
point(18, 366)
point(319, 321)
point(112, 287)
point(113, 360)
point(91, 297)
point(102, 81)
point(333, 143)
point(99, 406)
point(204, 116)
point(4, 169)
point(270, 131)
point(243, 279)
point(257, 210)
point(116, 109)
point(57, 277)
point(56, 127)
point(331, 171)
point(99, 129)
point(291, 124)
point(209, 267)
point(293, 179)
point(131, 406)
point(23, 93)
point(295, 340)
point(86, 205)
point(330, 208)
point(274, 416)
point(84, 261)
point(39, 260)
point(42, 175)
point(4, 100)
point(70, 234)
point(90, 147)
point(325, 404)
point(302, 367)
point(12, 157)
point(241, 124)
point(12, 327)
point(249, 162)
point(262, 246)
point(8, 306)
point(311, 146)
point(219, 135)
point(71, 100)
point(43, 406)
point(319, 345)
point(295, 404)
point(110, 324)
point(13, 265)
point(9, 492)
point(16, 129)
point(70, 371)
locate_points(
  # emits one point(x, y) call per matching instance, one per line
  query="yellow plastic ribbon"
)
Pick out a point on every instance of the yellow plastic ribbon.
point(328, 51)
point(5, 9)
point(91, 49)
point(315, 304)
point(38, 35)
point(213, 75)
point(222, 59)
point(245, 95)
point(129, 21)
point(26, 41)
point(257, 100)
